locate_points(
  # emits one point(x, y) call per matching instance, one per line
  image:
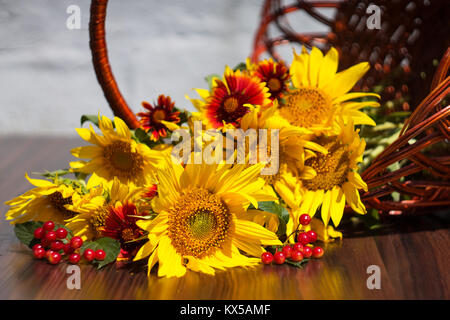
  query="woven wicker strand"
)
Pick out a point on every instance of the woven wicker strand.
point(101, 64)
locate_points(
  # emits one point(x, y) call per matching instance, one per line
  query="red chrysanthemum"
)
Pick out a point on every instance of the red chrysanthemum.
point(229, 97)
point(120, 224)
point(151, 120)
point(275, 75)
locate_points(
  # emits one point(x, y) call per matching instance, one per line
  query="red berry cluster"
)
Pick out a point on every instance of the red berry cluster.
point(54, 244)
point(300, 250)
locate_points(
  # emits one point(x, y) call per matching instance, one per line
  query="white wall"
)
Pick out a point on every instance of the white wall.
point(46, 77)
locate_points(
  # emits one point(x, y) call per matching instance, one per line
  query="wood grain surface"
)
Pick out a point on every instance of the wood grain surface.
point(413, 256)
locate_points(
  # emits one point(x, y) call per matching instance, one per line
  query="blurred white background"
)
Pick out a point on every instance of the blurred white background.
point(46, 76)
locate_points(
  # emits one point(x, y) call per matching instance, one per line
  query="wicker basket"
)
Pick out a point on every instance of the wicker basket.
point(403, 53)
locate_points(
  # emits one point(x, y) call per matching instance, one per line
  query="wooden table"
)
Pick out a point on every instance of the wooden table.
point(413, 257)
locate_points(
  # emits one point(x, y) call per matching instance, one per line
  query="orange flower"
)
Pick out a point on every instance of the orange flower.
point(151, 120)
point(274, 74)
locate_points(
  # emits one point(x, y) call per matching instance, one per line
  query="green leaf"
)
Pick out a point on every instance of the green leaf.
point(53, 174)
point(25, 232)
point(273, 207)
point(240, 66)
point(299, 264)
point(89, 118)
point(109, 245)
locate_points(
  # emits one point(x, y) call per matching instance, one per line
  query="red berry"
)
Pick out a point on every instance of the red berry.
point(100, 254)
point(287, 250)
point(61, 233)
point(68, 249)
point(50, 236)
point(89, 254)
point(39, 233)
point(296, 256)
point(57, 245)
point(279, 257)
point(298, 247)
point(267, 258)
point(45, 243)
point(317, 252)
point(303, 238)
point(48, 226)
point(74, 258)
point(37, 246)
point(54, 258)
point(307, 252)
point(76, 242)
point(312, 236)
point(48, 253)
point(305, 219)
point(39, 253)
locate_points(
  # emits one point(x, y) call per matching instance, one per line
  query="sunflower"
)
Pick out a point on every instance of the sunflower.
point(200, 223)
point(274, 74)
point(115, 154)
point(336, 181)
point(153, 120)
point(229, 98)
point(320, 95)
point(104, 212)
point(47, 201)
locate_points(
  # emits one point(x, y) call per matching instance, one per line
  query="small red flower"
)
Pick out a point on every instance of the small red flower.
point(151, 192)
point(120, 224)
point(275, 75)
point(162, 111)
point(229, 97)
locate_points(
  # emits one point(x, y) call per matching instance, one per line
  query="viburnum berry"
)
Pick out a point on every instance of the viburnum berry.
point(48, 226)
point(296, 256)
point(279, 257)
point(305, 219)
point(39, 233)
point(89, 254)
point(303, 238)
point(61, 233)
point(37, 246)
point(54, 258)
point(48, 253)
point(100, 254)
point(39, 253)
point(312, 236)
point(74, 258)
point(267, 258)
point(287, 250)
point(307, 252)
point(57, 245)
point(298, 247)
point(50, 236)
point(317, 252)
point(68, 249)
point(76, 242)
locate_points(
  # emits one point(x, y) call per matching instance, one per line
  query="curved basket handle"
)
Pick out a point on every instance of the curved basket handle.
point(101, 64)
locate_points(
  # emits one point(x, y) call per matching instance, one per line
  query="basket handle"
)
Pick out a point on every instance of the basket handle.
point(102, 68)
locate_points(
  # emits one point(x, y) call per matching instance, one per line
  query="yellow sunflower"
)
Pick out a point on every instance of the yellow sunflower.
point(47, 201)
point(336, 181)
point(95, 207)
point(200, 223)
point(320, 94)
point(114, 154)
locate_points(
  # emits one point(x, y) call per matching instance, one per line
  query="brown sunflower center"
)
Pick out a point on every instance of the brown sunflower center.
point(198, 223)
point(98, 219)
point(58, 202)
point(230, 105)
point(332, 168)
point(158, 115)
point(274, 84)
point(306, 107)
point(128, 234)
point(122, 160)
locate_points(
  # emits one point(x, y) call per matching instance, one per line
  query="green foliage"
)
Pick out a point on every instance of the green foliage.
point(89, 118)
point(25, 232)
point(279, 210)
point(210, 78)
point(109, 245)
